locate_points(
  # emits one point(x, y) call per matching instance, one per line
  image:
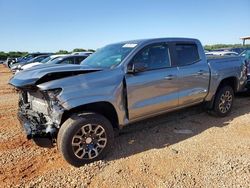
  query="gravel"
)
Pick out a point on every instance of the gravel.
point(188, 148)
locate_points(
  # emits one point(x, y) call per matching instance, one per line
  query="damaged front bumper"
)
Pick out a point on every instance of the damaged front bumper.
point(39, 137)
point(36, 130)
point(39, 117)
point(29, 128)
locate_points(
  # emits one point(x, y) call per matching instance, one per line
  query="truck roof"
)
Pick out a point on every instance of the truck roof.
point(142, 41)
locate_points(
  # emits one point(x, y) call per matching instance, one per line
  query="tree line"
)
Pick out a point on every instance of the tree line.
point(12, 54)
point(219, 46)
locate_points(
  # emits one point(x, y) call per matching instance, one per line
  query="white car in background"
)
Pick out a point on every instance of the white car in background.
point(222, 53)
point(48, 59)
point(82, 53)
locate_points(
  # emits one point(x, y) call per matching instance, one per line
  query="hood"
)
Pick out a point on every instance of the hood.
point(44, 73)
point(26, 66)
point(27, 63)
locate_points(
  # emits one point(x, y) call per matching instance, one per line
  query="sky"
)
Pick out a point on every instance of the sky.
point(52, 25)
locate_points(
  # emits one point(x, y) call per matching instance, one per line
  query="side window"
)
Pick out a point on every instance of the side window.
point(155, 56)
point(79, 60)
point(187, 54)
point(68, 61)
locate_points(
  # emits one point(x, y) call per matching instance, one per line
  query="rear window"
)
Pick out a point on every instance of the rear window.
point(187, 54)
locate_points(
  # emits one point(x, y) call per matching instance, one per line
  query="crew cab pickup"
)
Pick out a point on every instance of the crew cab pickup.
point(79, 106)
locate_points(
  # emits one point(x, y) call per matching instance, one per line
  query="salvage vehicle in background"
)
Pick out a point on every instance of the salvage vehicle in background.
point(32, 64)
point(9, 61)
point(69, 59)
point(238, 50)
point(79, 106)
point(57, 59)
point(222, 53)
point(27, 57)
point(17, 66)
point(82, 53)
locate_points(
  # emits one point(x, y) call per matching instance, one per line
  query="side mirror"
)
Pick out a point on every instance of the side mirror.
point(136, 67)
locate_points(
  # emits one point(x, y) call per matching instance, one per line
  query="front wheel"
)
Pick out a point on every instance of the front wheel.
point(85, 138)
point(224, 101)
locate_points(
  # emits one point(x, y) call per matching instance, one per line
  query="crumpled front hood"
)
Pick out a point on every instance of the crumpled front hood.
point(45, 73)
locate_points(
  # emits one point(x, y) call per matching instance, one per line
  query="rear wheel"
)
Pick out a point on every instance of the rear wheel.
point(223, 101)
point(85, 138)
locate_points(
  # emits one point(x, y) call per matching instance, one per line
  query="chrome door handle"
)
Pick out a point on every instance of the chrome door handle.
point(169, 77)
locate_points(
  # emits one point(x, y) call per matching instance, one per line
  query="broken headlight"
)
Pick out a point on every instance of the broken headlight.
point(53, 93)
point(56, 110)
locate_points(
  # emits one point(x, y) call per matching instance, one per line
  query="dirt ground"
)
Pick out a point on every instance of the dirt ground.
point(188, 148)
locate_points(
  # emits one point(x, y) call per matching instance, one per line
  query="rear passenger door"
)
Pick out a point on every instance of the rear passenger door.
point(154, 89)
point(193, 73)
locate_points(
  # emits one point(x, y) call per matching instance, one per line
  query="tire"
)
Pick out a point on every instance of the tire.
point(223, 101)
point(79, 145)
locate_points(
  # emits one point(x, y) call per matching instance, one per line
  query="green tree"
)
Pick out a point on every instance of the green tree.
point(79, 50)
point(5, 55)
point(62, 52)
point(219, 46)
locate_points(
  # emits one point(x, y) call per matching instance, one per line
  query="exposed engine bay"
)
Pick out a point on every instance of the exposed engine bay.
point(40, 112)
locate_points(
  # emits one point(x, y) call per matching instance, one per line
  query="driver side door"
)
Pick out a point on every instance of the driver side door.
point(155, 89)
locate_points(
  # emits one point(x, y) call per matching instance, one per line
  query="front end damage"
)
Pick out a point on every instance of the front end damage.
point(40, 114)
point(43, 93)
point(40, 111)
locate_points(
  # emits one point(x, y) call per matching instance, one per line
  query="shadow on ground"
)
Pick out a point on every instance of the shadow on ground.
point(163, 131)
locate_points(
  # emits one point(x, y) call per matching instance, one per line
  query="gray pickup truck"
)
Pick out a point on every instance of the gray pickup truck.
point(79, 106)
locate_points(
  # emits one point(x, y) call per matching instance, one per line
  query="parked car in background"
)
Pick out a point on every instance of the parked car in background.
point(246, 55)
point(69, 59)
point(58, 59)
point(79, 106)
point(46, 60)
point(81, 53)
point(28, 57)
point(9, 61)
point(237, 50)
point(38, 59)
point(222, 53)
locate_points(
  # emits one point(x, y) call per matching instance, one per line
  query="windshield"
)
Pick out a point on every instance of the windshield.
point(31, 60)
point(28, 56)
point(55, 60)
point(109, 56)
point(45, 60)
